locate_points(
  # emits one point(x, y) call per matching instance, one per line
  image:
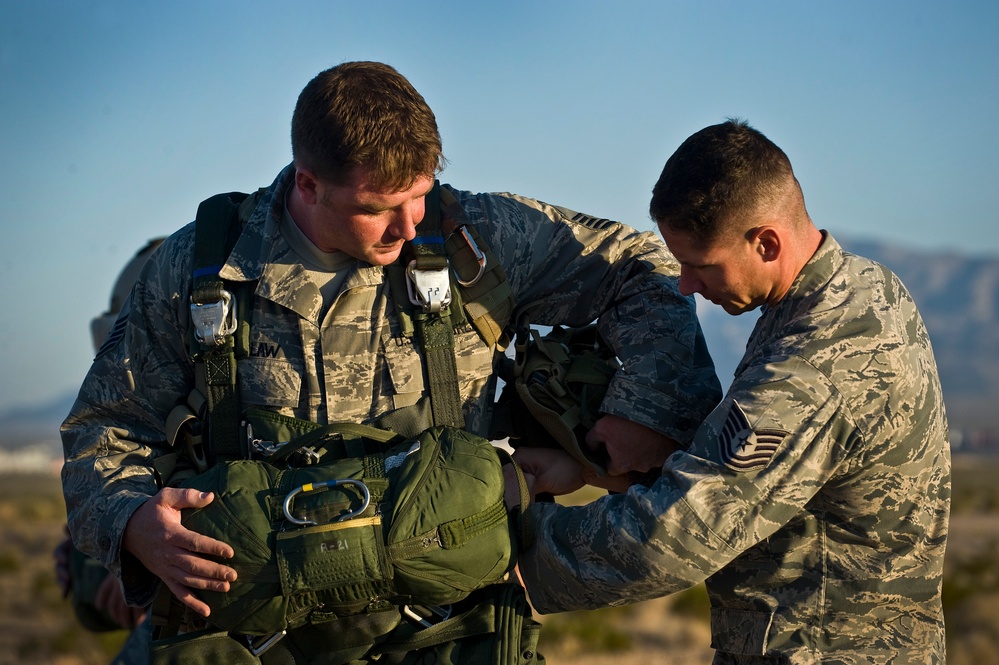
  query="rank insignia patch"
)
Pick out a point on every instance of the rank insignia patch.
point(117, 330)
point(743, 449)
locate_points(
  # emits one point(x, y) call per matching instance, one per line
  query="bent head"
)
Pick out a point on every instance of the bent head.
point(729, 208)
point(366, 149)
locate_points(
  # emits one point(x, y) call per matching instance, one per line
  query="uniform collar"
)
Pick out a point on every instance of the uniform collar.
point(805, 289)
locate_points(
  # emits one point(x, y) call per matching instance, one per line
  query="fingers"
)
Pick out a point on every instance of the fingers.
point(193, 541)
point(199, 573)
point(186, 596)
point(184, 498)
point(552, 471)
point(595, 438)
point(174, 553)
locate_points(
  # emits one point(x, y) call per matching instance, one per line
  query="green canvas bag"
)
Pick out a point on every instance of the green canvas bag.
point(380, 521)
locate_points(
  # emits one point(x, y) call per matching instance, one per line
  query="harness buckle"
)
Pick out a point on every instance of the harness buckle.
point(213, 321)
point(428, 289)
point(314, 487)
point(257, 649)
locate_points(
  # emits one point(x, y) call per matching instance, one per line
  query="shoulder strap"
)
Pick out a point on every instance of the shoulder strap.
point(216, 322)
point(428, 282)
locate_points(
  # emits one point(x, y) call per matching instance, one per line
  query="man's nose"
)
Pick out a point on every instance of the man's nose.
point(689, 284)
point(407, 217)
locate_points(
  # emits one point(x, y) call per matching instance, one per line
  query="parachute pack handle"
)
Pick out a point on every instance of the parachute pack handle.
point(326, 484)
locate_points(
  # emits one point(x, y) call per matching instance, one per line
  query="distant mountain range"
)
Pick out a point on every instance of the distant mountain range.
point(957, 295)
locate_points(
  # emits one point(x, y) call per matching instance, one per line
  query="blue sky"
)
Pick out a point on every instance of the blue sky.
point(117, 118)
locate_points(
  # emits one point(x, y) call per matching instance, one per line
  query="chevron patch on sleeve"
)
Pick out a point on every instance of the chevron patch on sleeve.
point(743, 449)
point(117, 330)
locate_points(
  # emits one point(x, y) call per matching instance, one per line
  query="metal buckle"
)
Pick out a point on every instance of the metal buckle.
point(429, 289)
point(259, 649)
point(479, 256)
point(259, 448)
point(313, 487)
point(434, 614)
point(214, 320)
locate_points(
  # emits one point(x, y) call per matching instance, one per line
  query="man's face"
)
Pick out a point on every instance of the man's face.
point(367, 223)
point(730, 272)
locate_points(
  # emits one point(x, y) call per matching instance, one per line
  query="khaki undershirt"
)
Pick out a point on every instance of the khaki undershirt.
point(328, 269)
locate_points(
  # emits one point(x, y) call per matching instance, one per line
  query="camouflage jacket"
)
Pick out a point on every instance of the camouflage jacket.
point(355, 364)
point(813, 500)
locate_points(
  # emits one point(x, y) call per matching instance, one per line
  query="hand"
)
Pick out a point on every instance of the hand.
point(629, 446)
point(549, 470)
point(172, 552)
point(110, 599)
point(64, 576)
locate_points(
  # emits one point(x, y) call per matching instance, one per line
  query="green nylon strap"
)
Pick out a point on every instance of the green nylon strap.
point(216, 230)
point(339, 441)
point(442, 368)
point(436, 329)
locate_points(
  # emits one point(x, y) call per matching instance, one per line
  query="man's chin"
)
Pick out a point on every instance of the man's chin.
point(383, 256)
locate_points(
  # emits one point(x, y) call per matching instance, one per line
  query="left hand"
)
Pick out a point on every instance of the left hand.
point(63, 573)
point(111, 600)
point(629, 446)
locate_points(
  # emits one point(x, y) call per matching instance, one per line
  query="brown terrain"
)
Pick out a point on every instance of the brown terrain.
point(37, 626)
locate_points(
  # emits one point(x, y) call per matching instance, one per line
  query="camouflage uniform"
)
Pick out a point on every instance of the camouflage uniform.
point(813, 500)
point(354, 363)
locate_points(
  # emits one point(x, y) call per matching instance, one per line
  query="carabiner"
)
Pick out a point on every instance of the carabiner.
point(479, 256)
point(313, 487)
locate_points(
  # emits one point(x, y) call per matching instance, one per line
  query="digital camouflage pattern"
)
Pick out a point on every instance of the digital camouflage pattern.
point(355, 363)
point(813, 501)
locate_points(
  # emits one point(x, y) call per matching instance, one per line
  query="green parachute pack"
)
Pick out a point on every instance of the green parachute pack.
point(380, 521)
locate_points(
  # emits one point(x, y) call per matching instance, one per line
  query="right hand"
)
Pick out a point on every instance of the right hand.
point(155, 536)
point(550, 470)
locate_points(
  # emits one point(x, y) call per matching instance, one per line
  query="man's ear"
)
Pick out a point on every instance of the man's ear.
point(307, 185)
point(768, 243)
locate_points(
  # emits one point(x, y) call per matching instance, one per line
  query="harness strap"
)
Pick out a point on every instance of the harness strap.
point(433, 323)
point(215, 374)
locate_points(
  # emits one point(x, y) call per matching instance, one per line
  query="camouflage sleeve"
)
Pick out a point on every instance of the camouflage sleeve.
point(755, 462)
point(571, 269)
point(114, 431)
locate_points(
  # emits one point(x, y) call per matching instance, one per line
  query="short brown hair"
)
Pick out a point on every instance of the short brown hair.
point(365, 114)
point(720, 170)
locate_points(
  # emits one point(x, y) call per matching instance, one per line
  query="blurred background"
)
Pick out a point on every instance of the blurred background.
point(117, 118)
